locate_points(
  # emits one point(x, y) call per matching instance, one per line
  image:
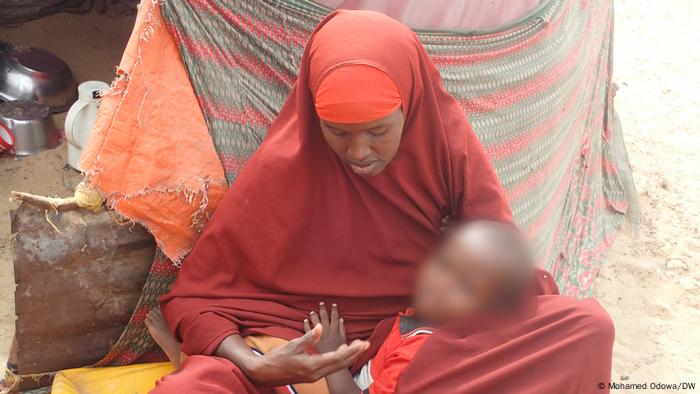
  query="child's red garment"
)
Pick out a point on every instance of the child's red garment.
point(381, 373)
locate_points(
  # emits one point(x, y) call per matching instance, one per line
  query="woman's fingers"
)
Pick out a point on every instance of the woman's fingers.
point(332, 361)
point(323, 314)
point(345, 353)
point(311, 338)
point(360, 344)
point(317, 366)
point(307, 325)
point(341, 358)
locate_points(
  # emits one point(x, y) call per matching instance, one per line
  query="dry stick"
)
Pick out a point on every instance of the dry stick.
point(54, 203)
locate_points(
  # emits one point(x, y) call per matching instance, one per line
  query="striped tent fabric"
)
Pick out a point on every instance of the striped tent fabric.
point(538, 93)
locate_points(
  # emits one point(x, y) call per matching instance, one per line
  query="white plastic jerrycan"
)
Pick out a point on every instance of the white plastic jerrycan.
point(81, 118)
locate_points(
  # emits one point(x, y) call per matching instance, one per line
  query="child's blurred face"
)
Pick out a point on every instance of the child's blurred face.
point(466, 274)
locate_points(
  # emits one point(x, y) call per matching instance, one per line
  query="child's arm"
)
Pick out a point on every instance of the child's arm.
point(333, 336)
point(341, 382)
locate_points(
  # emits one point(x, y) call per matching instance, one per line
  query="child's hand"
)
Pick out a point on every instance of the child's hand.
point(333, 328)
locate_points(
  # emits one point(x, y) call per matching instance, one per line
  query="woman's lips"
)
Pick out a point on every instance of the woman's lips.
point(362, 168)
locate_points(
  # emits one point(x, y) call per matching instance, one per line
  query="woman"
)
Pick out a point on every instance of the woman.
point(350, 189)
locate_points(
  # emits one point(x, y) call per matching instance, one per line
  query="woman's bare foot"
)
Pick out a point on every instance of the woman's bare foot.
point(158, 329)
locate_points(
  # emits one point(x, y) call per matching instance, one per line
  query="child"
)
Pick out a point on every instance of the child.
point(479, 267)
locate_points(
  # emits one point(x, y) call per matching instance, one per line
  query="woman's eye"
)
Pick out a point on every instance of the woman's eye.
point(377, 133)
point(338, 133)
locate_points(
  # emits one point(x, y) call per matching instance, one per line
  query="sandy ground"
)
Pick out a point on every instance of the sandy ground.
point(650, 283)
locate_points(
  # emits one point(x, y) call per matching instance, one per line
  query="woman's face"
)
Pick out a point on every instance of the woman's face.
point(366, 147)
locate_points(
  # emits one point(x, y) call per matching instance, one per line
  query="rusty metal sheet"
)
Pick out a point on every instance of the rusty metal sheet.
point(79, 275)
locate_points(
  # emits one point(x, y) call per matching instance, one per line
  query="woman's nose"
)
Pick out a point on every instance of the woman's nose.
point(358, 149)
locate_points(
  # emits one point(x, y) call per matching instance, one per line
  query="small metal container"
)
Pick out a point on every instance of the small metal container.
point(28, 73)
point(32, 126)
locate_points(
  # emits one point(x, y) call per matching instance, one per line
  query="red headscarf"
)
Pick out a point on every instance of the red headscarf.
point(355, 93)
point(299, 227)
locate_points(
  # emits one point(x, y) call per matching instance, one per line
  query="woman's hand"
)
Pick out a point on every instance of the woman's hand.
point(333, 328)
point(292, 363)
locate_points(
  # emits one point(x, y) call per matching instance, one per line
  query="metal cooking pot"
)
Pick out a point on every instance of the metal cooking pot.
point(28, 73)
point(32, 126)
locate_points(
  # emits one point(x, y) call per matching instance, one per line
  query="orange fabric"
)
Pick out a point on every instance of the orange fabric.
point(355, 93)
point(150, 152)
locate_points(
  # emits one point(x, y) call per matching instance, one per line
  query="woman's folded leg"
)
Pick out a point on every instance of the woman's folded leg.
point(207, 375)
point(216, 375)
